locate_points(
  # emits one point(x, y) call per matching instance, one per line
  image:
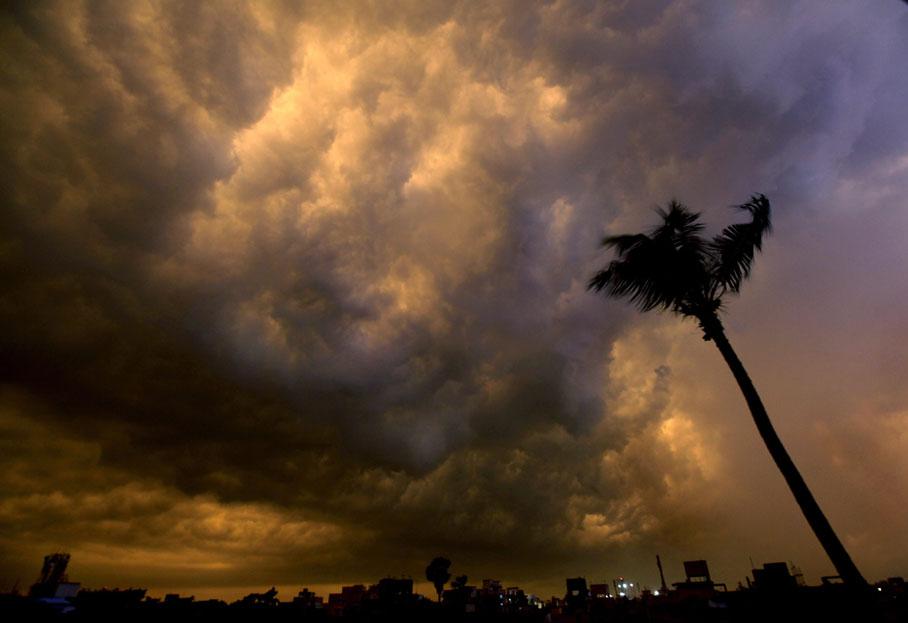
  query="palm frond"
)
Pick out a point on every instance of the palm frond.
point(638, 281)
point(733, 250)
point(679, 222)
point(624, 242)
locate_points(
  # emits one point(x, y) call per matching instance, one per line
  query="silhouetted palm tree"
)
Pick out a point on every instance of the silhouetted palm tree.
point(437, 573)
point(674, 268)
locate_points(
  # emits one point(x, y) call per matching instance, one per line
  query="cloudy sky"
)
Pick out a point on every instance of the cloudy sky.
point(294, 293)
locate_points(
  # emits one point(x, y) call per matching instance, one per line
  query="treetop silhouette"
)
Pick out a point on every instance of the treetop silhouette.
point(437, 573)
point(675, 268)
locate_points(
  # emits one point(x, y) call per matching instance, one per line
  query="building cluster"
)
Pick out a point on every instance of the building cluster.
point(773, 593)
point(490, 597)
point(357, 599)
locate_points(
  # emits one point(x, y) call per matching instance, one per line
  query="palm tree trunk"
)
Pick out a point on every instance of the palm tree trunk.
point(819, 524)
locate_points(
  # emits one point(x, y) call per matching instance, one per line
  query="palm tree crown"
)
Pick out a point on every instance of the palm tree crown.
point(675, 268)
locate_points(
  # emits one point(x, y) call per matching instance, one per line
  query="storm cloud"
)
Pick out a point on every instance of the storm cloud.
point(296, 293)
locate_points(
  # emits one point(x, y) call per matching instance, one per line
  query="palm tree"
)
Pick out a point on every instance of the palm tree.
point(437, 573)
point(674, 268)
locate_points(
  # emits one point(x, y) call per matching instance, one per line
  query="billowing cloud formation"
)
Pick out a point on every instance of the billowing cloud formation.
point(309, 281)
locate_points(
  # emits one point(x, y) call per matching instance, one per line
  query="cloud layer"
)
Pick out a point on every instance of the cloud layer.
point(297, 294)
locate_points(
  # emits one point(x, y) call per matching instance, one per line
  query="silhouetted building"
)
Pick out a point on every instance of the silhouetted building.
point(491, 585)
point(774, 576)
point(697, 571)
point(175, 600)
point(576, 588)
point(491, 597)
point(600, 591)
point(308, 600)
point(349, 599)
point(698, 582)
point(626, 588)
point(53, 583)
point(893, 591)
point(461, 599)
point(515, 600)
point(556, 607)
point(394, 590)
point(577, 594)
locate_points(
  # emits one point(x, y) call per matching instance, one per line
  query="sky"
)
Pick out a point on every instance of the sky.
point(295, 293)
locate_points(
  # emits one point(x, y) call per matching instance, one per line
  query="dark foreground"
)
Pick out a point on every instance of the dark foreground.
point(833, 603)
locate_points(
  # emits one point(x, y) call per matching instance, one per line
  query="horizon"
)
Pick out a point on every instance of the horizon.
point(420, 586)
point(300, 291)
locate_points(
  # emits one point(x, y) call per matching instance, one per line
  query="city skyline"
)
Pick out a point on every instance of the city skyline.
point(776, 592)
point(296, 293)
point(55, 578)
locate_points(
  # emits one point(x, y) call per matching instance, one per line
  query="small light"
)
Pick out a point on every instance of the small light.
point(879, 589)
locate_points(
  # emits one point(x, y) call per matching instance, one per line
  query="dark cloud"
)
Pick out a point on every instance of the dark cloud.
point(311, 282)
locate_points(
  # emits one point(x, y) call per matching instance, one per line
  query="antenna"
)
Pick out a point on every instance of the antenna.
point(661, 574)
